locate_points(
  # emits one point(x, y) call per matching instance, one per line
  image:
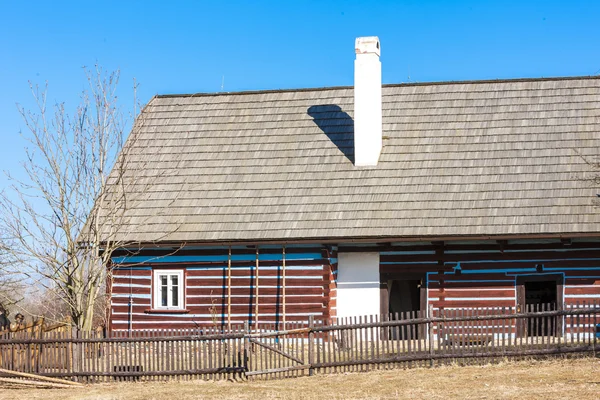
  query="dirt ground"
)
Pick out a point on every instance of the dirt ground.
point(554, 379)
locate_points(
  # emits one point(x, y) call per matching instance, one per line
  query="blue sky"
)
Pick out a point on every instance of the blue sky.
point(187, 47)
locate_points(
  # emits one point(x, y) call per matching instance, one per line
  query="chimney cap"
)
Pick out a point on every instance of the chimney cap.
point(367, 44)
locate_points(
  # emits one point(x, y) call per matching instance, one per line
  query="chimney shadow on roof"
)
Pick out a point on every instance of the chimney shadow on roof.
point(337, 125)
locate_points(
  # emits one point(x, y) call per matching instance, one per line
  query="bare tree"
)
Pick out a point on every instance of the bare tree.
point(65, 219)
point(11, 283)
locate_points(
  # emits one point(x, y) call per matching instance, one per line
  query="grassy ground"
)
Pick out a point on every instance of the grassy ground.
point(550, 379)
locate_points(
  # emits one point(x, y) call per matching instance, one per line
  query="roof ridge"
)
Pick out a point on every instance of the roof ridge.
point(403, 84)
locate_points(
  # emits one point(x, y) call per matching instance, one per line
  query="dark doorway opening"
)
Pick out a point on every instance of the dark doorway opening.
point(539, 293)
point(405, 300)
point(541, 296)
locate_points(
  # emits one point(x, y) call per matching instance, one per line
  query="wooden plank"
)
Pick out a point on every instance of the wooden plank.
point(160, 374)
point(229, 289)
point(162, 252)
point(126, 273)
point(465, 258)
point(257, 288)
point(39, 377)
point(275, 333)
point(507, 292)
point(24, 382)
point(430, 342)
point(276, 350)
point(247, 273)
point(239, 306)
point(508, 281)
point(589, 290)
point(376, 338)
point(276, 370)
point(315, 288)
point(357, 338)
point(472, 355)
point(311, 345)
point(283, 286)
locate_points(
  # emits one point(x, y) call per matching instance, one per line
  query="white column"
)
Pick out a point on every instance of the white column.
point(358, 284)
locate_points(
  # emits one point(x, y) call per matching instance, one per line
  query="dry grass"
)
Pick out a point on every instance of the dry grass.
point(550, 379)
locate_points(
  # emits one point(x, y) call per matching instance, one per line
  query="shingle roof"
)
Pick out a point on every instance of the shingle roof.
point(459, 159)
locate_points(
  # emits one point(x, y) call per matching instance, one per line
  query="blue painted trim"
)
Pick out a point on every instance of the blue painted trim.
point(541, 260)
point(217, 258)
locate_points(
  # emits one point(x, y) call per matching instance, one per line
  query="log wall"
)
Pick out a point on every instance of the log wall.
point(257, 292)
point(455, 275)
point(488, 277)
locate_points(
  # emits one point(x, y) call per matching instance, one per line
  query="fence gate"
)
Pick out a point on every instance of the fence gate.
point(271, 352)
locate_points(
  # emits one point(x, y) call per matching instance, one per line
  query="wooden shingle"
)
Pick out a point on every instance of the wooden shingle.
point(472, 159)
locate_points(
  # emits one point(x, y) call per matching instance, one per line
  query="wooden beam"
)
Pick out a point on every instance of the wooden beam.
point(283, 288)
point(39, 377)
point(439, 252)
point(275, 370)
point(256, 291)
point(276, 350)
point(16, 381)
point(229, 290)
point(378, 239)
point(502, 244)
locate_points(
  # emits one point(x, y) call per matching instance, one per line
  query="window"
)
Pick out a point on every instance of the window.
point(168, 289)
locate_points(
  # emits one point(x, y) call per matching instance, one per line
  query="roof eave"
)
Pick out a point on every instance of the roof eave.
point(370, 239)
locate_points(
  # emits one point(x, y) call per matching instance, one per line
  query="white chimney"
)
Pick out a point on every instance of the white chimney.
point(367, 102)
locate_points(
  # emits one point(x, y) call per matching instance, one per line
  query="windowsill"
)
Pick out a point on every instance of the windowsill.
point(166, 311)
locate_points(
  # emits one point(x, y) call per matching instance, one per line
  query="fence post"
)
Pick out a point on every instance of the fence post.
point(246, 360)
point(38, 349)
point(75, 355)
point(311, 335)
point(430, 329)
point(594, 327)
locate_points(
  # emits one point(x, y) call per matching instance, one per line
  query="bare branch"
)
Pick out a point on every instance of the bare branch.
point(63, 221)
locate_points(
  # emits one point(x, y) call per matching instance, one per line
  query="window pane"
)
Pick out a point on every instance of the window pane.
point(164, 290)
point(163, 296)
point(175, 290)
point(175, 296)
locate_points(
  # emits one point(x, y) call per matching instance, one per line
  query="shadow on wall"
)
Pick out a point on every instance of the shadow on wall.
point(337, 125)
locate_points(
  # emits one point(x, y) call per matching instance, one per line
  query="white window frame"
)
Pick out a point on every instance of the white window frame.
point(156, 301)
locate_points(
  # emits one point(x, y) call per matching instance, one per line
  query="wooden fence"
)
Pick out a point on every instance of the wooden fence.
point(349, 344)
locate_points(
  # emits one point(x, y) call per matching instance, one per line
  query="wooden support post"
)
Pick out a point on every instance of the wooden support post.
point(440, 255)
point(283, 289)
point(311, 344)
point(229, 290)
point(256, 291)
point(593, 330)
point(430, 329)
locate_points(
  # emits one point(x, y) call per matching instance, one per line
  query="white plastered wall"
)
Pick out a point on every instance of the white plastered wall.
point(358, 284)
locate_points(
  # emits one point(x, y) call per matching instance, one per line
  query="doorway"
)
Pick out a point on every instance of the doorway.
point(538, 294)
point(405, 299)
